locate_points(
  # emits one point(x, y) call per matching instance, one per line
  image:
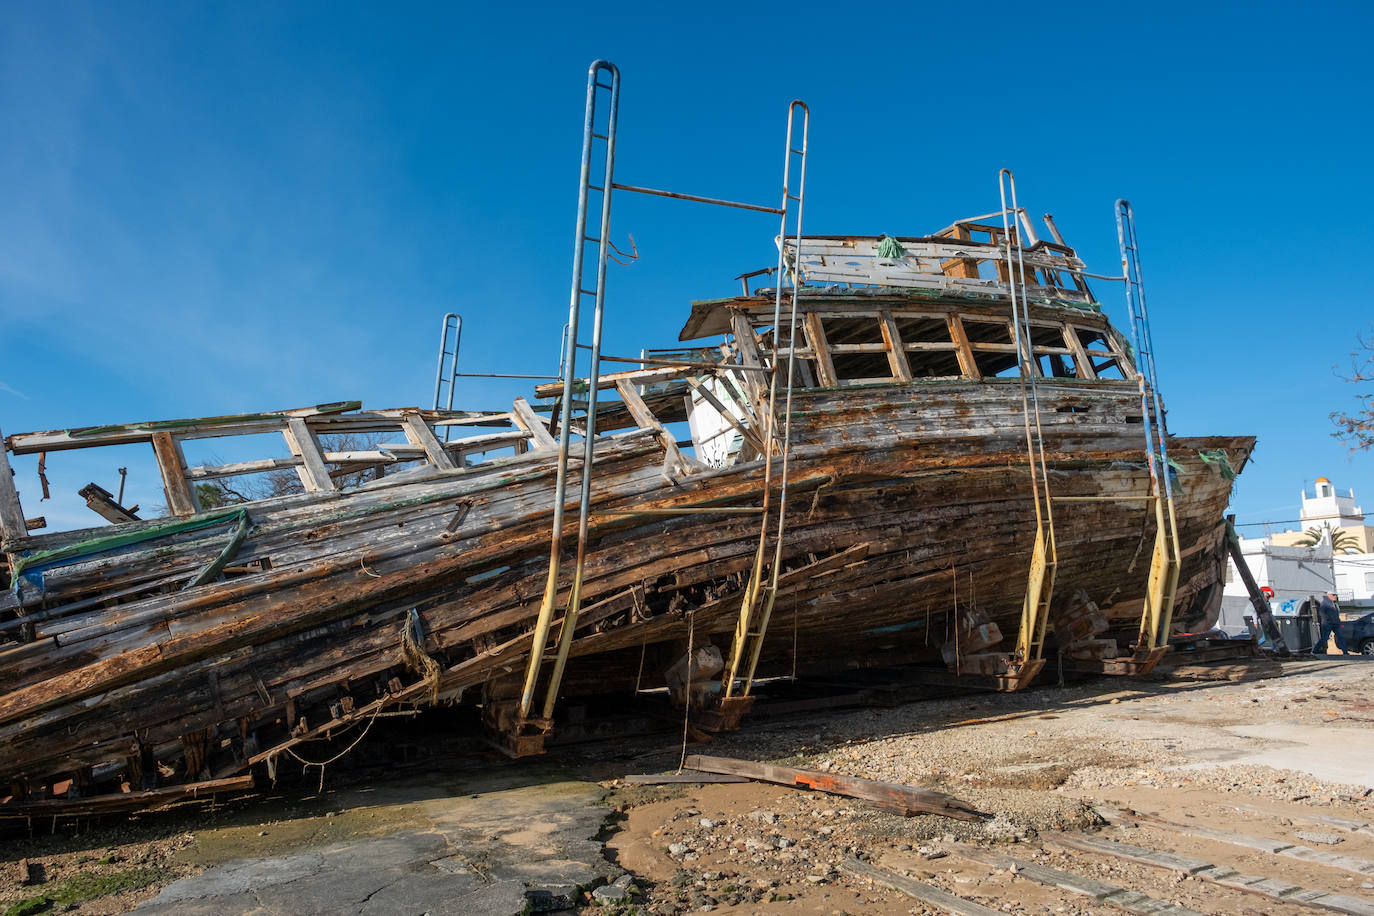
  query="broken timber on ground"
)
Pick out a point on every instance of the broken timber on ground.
point(906, 800)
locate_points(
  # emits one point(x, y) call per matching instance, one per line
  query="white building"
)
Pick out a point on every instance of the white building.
point(1296, 571)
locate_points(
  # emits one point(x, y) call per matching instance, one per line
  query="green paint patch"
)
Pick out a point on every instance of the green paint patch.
point(80, 888)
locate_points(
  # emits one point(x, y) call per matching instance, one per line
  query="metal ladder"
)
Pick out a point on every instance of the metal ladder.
point(452, 326)
point(1030, 639)
point(591, 136)
point(1157, 618)
point(750, 631)
point(596, 90)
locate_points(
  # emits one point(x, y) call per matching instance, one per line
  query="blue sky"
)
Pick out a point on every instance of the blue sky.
point(216, 208)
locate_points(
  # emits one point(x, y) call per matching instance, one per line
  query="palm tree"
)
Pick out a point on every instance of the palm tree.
point(1341, 541)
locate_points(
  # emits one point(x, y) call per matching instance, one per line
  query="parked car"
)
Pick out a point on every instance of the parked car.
point(1359, 634)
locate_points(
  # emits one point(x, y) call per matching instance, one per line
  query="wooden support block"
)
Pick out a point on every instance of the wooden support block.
point(926, 893)
point(419, 434)
point(303, 444)
point(910, 798)
point(524, 416)
point(11, 514)
point(171, 463)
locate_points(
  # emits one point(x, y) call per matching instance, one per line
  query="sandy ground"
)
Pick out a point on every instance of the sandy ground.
point(1276, 758)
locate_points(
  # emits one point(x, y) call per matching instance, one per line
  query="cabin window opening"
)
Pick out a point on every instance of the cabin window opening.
point(1056, 365)
point(1047, 337)
point(1103, 356)
point(996, 365)
point(934, 364)
point(858, 350)
point(982, 332)
point(860, 368)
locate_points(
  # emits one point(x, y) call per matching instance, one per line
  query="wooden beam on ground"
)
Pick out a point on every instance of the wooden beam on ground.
point(664, 779)
point(300, 438)
point(1362, 867)
point(1101, 892)
point(524, 416)
point(171, 463)
point(11, 514)
point(907, 799)
point(419, 433)
point(926, 893)
point(1216, 874)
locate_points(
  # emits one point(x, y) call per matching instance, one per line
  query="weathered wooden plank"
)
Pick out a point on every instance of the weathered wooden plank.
point(419, 433)
point(128, 801)
point(301, 439)
point(11, 513)
point(926, 893)
point(908, 798)
point(171, 463)
point(725, 412)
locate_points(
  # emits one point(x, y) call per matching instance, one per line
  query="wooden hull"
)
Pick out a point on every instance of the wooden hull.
point(903, 502)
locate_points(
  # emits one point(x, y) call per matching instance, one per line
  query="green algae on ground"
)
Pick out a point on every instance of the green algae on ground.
point(80, 888)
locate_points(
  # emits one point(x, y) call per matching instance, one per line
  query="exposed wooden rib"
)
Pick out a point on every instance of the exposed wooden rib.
point(896, 353)
point(11, 515)
point(645, 418)
point(815, 333)
point(419, 433)
point(172, 465)
point(524, 416)
point(729, 417)
point(303, 444)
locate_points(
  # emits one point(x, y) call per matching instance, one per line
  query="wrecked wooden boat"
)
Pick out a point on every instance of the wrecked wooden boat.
point(217, 639)
point(930, 451)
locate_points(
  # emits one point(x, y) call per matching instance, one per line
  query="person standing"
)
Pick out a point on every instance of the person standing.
point(1329, 618)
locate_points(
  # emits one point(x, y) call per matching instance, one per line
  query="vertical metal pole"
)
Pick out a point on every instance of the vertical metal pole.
point(589, 135)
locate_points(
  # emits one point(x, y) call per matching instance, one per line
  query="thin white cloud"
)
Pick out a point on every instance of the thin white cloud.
point(8, 390)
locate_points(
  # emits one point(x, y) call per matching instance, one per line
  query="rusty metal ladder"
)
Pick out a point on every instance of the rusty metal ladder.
point(1026, 659)
point(593, 134)
point(1157, 617)
point(750, 630)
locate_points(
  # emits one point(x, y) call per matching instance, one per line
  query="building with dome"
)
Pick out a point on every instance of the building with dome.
point(1329, 511)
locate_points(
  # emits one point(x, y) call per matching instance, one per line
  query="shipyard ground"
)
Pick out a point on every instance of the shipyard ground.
point(1196, 765)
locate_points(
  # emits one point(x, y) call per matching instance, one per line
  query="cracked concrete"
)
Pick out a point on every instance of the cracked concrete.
point(497, 852)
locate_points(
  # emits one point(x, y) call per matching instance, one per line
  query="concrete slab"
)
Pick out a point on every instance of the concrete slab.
point(485, 854)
